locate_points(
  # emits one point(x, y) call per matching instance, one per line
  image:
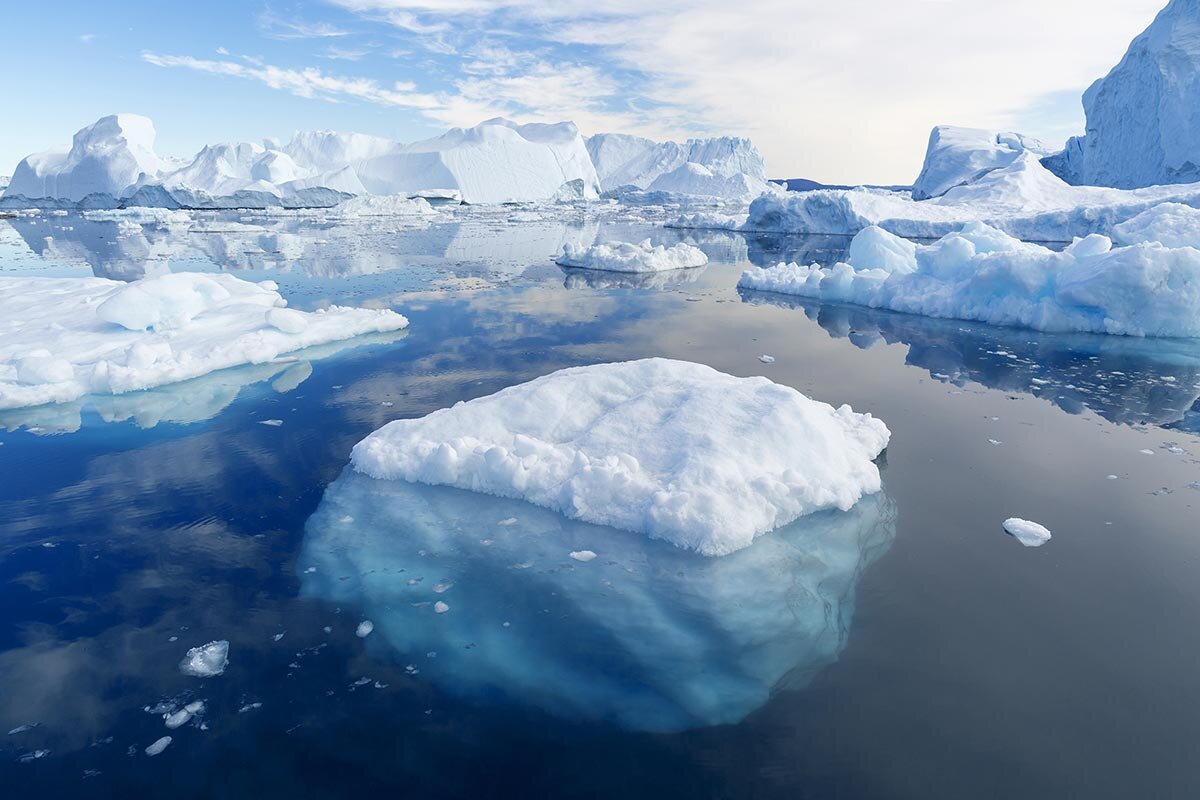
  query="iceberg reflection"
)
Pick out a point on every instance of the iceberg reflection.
point(646, 636)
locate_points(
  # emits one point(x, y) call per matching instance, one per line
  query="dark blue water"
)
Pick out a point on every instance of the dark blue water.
point(909, 649)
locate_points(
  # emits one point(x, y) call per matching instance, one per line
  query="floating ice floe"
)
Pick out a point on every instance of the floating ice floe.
point(364, 629)
point(158, 746)
point(63, 338)
point(1030, 534)
point(629, 257)
point(648, 637)
point(980, 273)
point(672, 449)
point(181, 717)
point(206, 661)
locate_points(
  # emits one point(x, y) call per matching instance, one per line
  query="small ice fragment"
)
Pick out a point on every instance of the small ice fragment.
point(1146, 452)
point(184, 714)
point(249, 707)
point(274, 423)
point(327, 629)
point(1030, 534)
point(440, 608)
point(582, 555)
point(277, 636)
point(23, 729)
point(158, 746)
point(310, 570)
point(766, 359)
point(443, 586)
point(364, 629)
point(33, 756)
point(994, 442)
point(1112, 477)
point(507, 522)
point(206, 661)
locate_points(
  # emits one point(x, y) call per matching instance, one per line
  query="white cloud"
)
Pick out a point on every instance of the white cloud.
point(843, 91)
point(278, 27)
point(87, 38)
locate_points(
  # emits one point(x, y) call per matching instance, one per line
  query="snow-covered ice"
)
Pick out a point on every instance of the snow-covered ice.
point(672, 449)
point(1030, 534)
point(956, 156)
point(648, 636)
point(207, 660)
point(629, 257)
point(983, 274)
point(64, 338)
point(1170, 224)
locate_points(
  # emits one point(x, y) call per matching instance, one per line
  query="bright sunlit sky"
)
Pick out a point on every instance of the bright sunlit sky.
point(835, 90)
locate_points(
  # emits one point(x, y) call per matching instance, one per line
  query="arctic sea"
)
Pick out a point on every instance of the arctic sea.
point(908, 648)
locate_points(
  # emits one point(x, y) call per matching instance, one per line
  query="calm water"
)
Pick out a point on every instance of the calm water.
point(908, 649)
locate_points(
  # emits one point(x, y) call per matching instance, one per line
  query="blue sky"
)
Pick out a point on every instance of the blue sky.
point(839, 91)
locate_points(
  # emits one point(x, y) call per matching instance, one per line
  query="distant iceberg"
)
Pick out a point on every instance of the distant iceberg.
point(727, 166)
point(64, 338)
point(630, 257)
point(981, 273)
point(670, 449)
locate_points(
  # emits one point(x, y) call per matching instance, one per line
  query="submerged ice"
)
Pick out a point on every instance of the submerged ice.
point(644, 635)
point(671, 449)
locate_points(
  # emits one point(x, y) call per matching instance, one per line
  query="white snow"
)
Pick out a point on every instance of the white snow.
point(1030, 534)
point(63, 338)
point(983, 274)
point(628, 257)
point(1142, 116)
point(672, 449)
point(957, 156)
point(1170, 224)
point(206, 661)
point(158, 746)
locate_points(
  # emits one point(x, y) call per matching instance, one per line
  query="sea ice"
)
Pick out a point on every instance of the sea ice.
point(582, 555)
point(662, 640)
point(364, 629)
point(628, 257)
point(158, 746)
point(63, 338)
point(980, 273)
point(672, 449)
point(1030, 534)
point(206, 661)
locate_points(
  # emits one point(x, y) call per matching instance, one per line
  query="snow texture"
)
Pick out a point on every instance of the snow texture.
point(1143, 116)
point(983, 274)
point(671, 449)
point(646, 636)
point(64, 338)
point(628, 257)
point(1169, 224)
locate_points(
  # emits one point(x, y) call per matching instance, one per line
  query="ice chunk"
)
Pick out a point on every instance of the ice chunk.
point(158, 746)
point(671, 449)
point(982, 274)
point(364, 629)
point(63, 338)
point(627, 257)
point(1030, 534)
point(582, 555)
point(665, 640)
point(206, 661)
point(956, 156)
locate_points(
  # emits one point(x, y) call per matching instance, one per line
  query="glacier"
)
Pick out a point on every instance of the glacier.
point(675, 450)
point(645, 636)
point(64, 338)
point(980, 273)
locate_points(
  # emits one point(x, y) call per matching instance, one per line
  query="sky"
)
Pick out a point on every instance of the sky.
point(840, 91)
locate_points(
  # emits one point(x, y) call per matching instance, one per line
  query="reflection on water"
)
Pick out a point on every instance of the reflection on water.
point(1123, 379)
point(645, 635)
point(576, 278)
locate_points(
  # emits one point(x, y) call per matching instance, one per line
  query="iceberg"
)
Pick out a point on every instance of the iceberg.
point(725, 166)
point(106, 158)
point(670, 449)
point(1170, 224)
point(1142, 117)
point(958, 156)
point(645, 636)
point(983, 274)
point(64, 338)
point(627, 257)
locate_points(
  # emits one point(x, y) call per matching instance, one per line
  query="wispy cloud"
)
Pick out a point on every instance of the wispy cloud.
point(86, 38)
point(278, 27)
